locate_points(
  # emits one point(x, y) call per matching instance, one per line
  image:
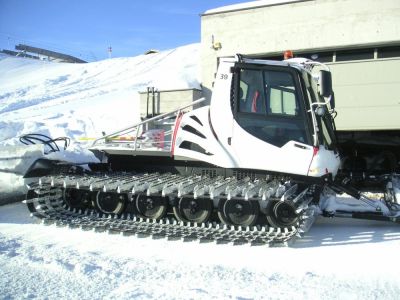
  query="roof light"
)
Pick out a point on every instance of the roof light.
point(288, 54)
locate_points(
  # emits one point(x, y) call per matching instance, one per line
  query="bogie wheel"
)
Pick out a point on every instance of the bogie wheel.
point(152, 207)
point(193, 210)
point(282, 214)
point(111, 203)
point(238, 212)
point(78, 198)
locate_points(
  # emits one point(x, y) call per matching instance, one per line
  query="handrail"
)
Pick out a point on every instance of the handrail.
point(148, 121)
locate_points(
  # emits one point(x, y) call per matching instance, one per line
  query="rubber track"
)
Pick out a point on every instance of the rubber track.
point(50, 207)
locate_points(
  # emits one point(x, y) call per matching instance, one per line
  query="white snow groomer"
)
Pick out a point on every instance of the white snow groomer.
point(250, 167)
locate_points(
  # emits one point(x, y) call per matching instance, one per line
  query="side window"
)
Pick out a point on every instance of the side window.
point(251, 93)
point(267, 92)
point(268, 106)
point(283, 102)
point(281, 93)
point(243, 94)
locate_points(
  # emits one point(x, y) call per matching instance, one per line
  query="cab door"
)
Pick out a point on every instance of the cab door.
point(270, 131)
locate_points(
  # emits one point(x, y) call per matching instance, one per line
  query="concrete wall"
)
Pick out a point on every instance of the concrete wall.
point(307, 25)
point(168, 100)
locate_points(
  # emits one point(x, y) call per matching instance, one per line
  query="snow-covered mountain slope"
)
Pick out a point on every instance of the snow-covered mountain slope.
point(337, 259)
point(79, 101)
point(82, 100)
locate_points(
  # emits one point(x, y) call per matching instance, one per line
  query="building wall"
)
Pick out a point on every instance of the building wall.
point(166, 101)
point(317, 25)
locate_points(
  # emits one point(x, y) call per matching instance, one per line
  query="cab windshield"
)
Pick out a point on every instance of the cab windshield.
point(326, 135)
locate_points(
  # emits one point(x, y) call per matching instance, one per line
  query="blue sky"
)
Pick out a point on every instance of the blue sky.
point(86, 28)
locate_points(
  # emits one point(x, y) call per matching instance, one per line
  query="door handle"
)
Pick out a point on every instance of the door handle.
point(300, 146)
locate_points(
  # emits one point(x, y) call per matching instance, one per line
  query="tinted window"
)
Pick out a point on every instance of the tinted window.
point(388, 52)
point(355, 54)
point(268, 106)
point(252, 98)
point(283, 102)
point(318, 56)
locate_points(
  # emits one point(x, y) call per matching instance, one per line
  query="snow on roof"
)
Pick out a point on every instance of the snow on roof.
point(248, 5)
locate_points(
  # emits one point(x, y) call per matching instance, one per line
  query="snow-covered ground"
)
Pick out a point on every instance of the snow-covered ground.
point(337, 259)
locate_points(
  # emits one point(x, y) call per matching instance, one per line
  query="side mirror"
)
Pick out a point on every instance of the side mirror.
point(325, 83)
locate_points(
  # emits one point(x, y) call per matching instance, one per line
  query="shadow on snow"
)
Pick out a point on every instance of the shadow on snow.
point(346, 231)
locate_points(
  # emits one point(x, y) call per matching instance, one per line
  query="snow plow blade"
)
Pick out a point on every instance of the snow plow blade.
point(41, 167)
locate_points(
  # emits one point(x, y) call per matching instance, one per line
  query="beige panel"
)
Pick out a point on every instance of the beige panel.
point(367, 94)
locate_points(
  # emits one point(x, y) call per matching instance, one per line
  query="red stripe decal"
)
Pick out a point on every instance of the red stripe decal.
point(177, 123)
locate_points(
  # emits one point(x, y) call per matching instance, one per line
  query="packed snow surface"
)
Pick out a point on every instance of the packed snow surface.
point(337, 259)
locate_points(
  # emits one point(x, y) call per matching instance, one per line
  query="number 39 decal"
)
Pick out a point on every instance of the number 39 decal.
point(223, 76)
